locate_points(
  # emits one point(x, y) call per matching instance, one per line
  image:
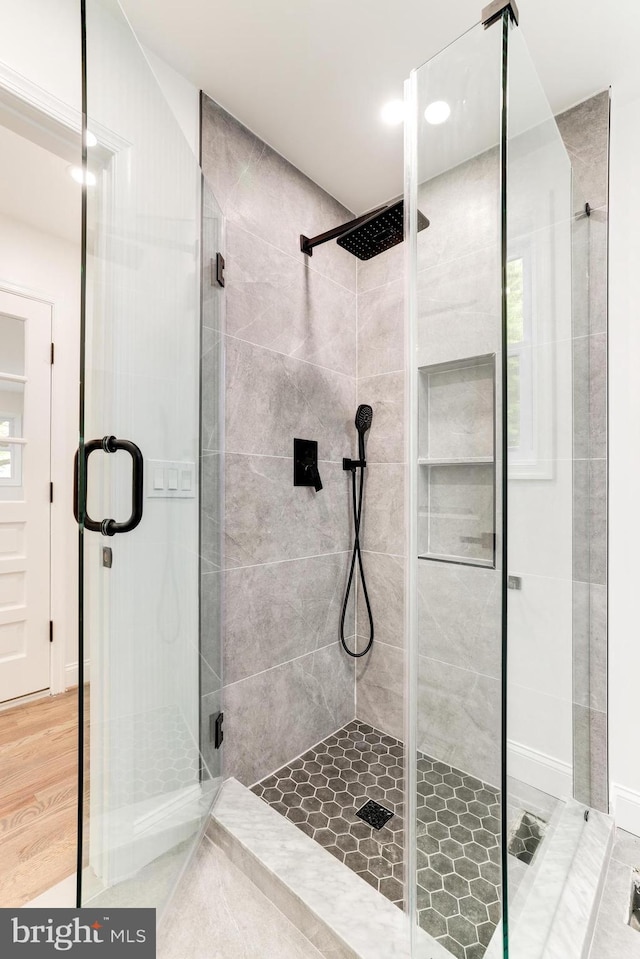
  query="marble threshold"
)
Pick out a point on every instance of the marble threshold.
point(337, 911)
point(556, 907)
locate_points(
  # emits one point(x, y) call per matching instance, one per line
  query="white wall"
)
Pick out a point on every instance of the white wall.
point(624, 452)
point(50, 266)
point(182, 97)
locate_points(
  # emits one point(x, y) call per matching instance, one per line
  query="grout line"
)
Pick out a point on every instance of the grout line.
point(371, 376)
point(381, 642)
point(268, 456)
point(289, 356)
point(287, 662)
point(303, 264)
point(465, 669)
point(277, 562)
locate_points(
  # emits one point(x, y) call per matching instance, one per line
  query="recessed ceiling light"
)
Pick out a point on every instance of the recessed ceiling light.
point(90, 138)
point(437, 112)
point(77, 173)
point(393, 112)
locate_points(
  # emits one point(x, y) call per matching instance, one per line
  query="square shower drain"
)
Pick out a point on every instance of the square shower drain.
point(374, 814)
point(526, 837)
point(634, 904)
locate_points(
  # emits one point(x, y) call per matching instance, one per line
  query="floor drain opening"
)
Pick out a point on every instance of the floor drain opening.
point(526, 837)
point(634, 905)
point(374, 814)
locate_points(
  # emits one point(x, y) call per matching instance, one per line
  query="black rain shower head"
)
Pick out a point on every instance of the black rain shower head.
point(367, 235)
point(382, 230)
point(364, 416)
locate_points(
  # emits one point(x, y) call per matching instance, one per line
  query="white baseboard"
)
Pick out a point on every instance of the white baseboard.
point(551, 775)
point(71, 674)
point(625, 808)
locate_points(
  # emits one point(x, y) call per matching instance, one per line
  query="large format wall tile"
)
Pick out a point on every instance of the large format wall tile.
point(279, 611)
point(380, 696)
point(590, 396)
point(211, 520)
point(385, 586)
point(272, 398)
point(585, 132)
point(459, 719)
point(598, 271)
point(590, 521)
point(381, 269)
point(268, 519)
point(385, 393)
point(467, 285)
point(211, 397)
point(460, 616)
point(590, 645)
point(381, 330)
point(445, 334)
point(262, 192)
point(274, 716)
point(462, 206)
point(290, 353)
point(383, 513)
point(275, 301)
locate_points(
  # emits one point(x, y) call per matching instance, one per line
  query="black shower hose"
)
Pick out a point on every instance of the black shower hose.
point(357, 516)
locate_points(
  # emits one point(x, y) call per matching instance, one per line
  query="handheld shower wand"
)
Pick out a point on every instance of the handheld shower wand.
point(364, 416)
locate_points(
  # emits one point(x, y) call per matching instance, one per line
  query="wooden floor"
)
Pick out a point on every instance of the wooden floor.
point(38, 796)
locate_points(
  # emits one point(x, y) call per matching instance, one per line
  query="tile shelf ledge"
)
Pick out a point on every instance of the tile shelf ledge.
point(455, 461)
point(458, 560)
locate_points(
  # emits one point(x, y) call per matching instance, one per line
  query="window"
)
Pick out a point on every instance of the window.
point(10, 455)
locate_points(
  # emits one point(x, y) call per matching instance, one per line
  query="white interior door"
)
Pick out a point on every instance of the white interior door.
point(25, 469)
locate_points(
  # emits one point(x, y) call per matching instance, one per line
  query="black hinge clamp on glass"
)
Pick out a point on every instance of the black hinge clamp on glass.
point(109, 527)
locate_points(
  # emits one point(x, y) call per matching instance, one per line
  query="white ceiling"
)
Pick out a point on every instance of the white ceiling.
point(310, 76)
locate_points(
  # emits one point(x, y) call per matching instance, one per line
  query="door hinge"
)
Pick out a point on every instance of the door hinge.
point(217, 270)
point(50, 630)
point(53, 353)
point(51, 492)
point(216, 732)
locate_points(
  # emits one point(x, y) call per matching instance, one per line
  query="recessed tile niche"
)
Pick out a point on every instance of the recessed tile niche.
point(456, 461)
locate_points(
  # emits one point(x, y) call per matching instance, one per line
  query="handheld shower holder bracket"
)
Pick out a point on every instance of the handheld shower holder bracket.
point(348, 464)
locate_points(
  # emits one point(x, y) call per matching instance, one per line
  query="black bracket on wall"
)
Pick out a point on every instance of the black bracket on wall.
point(217, 270)
point(216, 732)
point(496, 8)
point(305, 464)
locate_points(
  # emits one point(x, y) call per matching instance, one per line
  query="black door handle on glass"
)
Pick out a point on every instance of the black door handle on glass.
point(109, 527)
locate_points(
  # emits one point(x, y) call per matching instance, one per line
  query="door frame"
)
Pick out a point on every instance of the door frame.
point(63, 614)
point(35, 113)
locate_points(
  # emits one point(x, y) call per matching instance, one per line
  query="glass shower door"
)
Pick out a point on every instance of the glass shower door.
point(150, 686)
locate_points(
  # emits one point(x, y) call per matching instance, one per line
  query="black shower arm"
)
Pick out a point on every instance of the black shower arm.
point(307, 244)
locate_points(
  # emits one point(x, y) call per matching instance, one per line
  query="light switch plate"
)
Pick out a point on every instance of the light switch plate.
point(170, 479)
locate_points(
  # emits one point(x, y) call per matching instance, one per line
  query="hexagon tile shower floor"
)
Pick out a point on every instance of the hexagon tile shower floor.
point(458, 829)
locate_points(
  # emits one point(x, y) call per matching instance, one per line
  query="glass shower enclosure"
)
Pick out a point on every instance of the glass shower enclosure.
point(151, 655)
point(494, 633)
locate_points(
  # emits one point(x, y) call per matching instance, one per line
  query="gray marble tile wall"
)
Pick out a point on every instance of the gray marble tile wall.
point(455, 266)
point(459, 616)
point(289, 342)
point(585, 131)
point(459, 606)
point(380, 685)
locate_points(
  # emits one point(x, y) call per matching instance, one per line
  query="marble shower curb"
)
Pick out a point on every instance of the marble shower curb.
point(336, 910)
point(555, 913)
